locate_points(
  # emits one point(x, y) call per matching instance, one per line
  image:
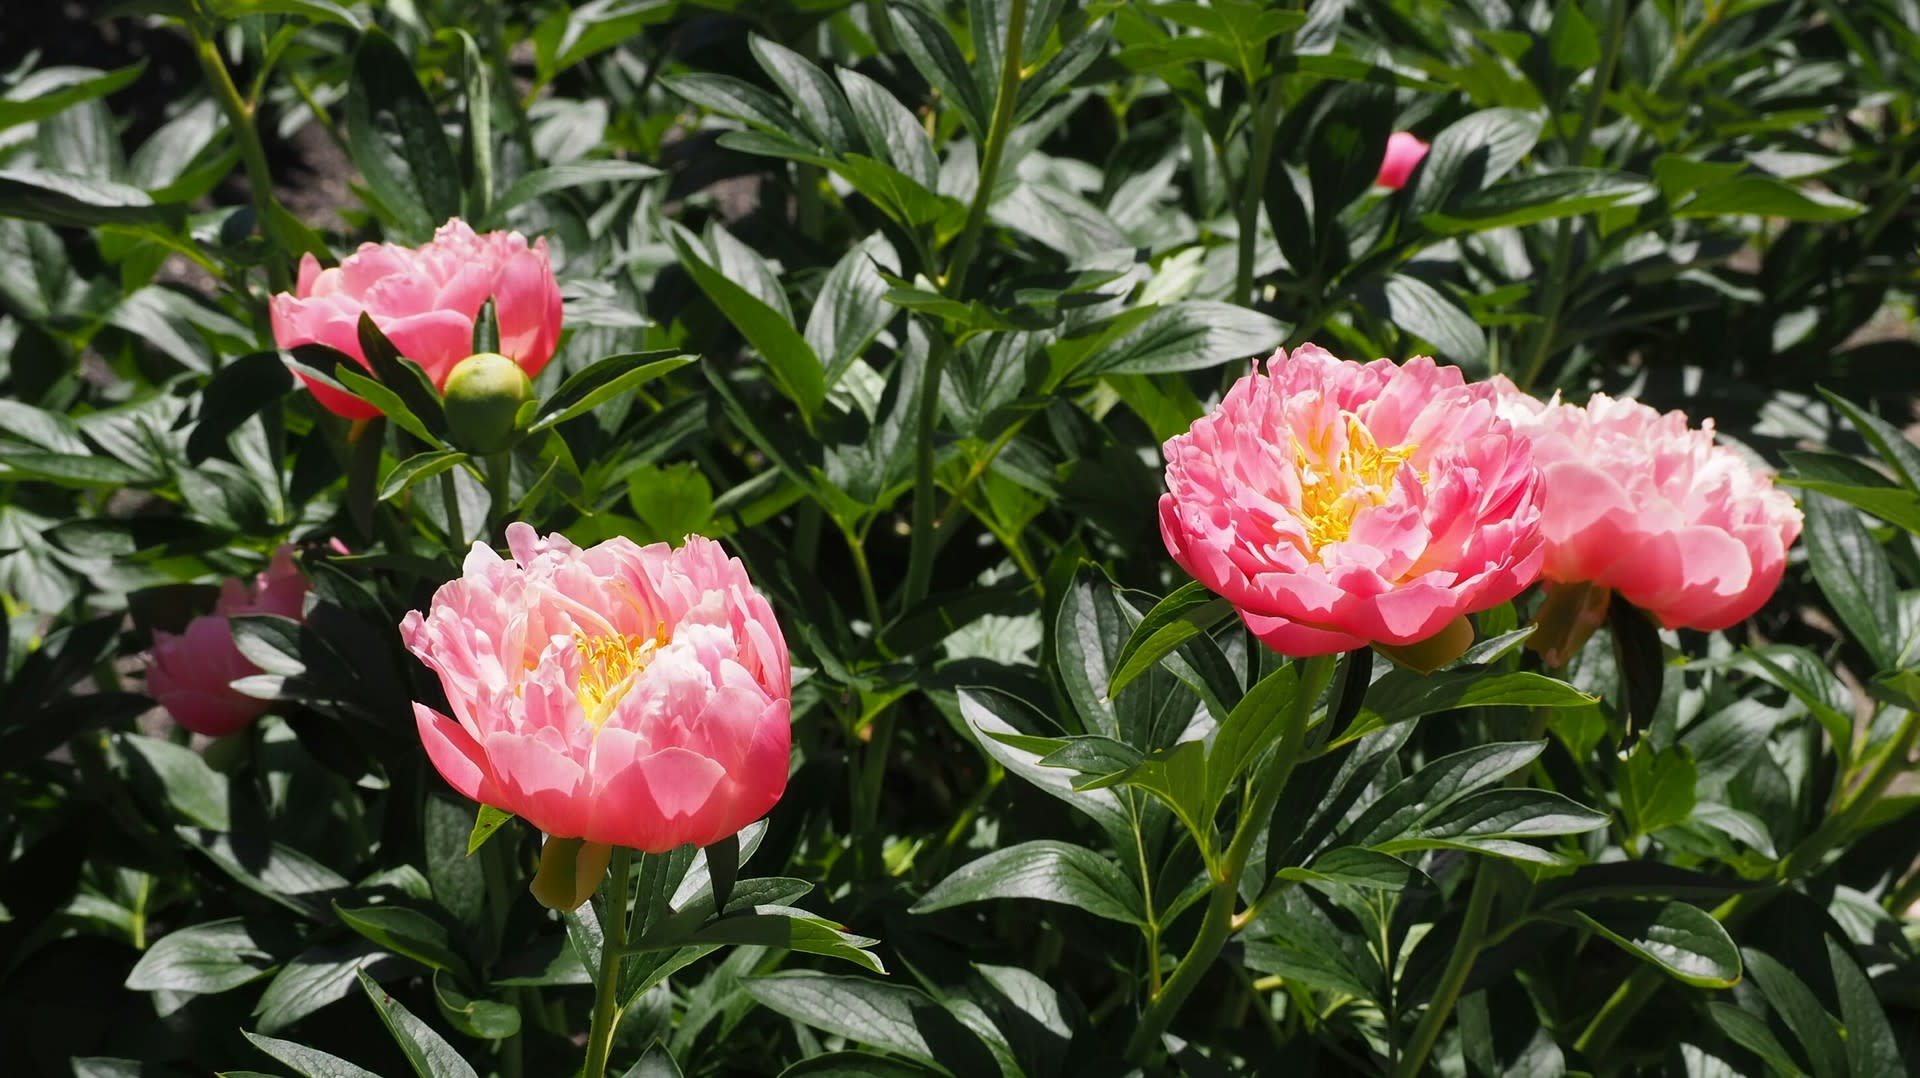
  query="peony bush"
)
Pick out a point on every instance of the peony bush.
point(1000, 538)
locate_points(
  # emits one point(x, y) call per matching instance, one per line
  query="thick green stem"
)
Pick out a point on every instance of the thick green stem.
point(456, 528)
point(1466, 949)
point(499, 473)
point(613, 941)
point(1264, 120)
point(1219, 922)
point(1554, 296)
point(927, 412)
point(252, 154)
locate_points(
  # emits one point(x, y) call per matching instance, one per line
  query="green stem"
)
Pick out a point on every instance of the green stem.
point(499, 475)
point(1466, 950)
point(1219, 921)
point(1265, 121)
point(456, 528)
point(613, 941)
point(1555, 294)
point(856, 548)
point(920, 552)
point(252, 154)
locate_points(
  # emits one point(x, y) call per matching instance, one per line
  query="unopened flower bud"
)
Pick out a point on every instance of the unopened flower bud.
point(483, 394)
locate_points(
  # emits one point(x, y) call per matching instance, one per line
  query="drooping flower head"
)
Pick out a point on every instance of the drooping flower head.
point(1404, 152)
point(191, 674)
point(1340, 504)
point(1638, 502)
point(625, 695)
point(425, 300)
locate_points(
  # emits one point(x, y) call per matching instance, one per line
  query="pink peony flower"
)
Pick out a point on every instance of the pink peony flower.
point(1639, 503)
point(426, 300)
point(626, 695)
point(192, 674)
point(1338, 505)
point(1404, 151)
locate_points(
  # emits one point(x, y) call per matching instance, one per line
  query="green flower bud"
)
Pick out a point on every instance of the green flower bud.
point(570, 872)
point(483, 394)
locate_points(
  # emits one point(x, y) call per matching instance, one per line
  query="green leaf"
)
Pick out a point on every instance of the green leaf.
point(931, 49)
point(1403, 695)
point(1764, 196)
point(986, 711)
point(889, 1016)
point(1895, 505)
point(1249, 730)
point(483, 1018)
point(1186, 612)
point(1800, 1009)
point(818, 104)
point(1354, 867)
point(1470, 154)
point(1492, 822)
point(1656, 787)
point(316, 10)
point(1418, 308)
point(1678, 938)
point(1189, 336)
point(1871, 1046)
point(279, 873)
point(485, 823)
point(850, 310)
point(416, 468)
point(320, 976)
point(1421, 797)
point(51, 90)
point(1886, 439)
point(430, 1054)
point(1750, 1031)
point(890, 131)
point(396, 140)
point(545, 181)
point(307, 1062)
point(236, 392)
point(1046, 870)
point(192, 788)
point(202, 959)
point(791, 361)
point(406, 932)
point(1806, 677)
point(603, 381)
point(855, 1065)
point(1854, 574)
point(790, 929)
point(64, 199)
point(1543, 197)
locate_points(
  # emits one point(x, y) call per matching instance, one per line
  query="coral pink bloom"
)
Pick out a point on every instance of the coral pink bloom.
point(191, 674)
point(1404, 151)
point(425, 300)
point(1639, 503)
point(626, 695)
point(1338, 504)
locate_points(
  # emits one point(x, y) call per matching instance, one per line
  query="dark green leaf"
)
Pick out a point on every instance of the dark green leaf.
point(430, 1054)
point(396, 139)
point(1044, 869)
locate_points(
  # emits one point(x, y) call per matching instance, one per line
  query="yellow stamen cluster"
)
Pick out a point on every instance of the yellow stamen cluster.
point(608, 664)
point(1335, 487)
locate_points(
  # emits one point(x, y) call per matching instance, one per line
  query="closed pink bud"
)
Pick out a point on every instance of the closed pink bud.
point(1338, 505)
point(1404, 151)
point(426, 300)
point(624, 695)
point(191, 675)
point(1638, 502)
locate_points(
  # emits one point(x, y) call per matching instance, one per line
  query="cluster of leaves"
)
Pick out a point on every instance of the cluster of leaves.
point(896, 300)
